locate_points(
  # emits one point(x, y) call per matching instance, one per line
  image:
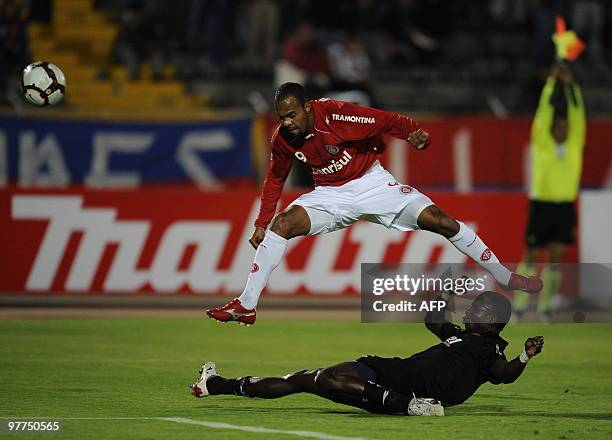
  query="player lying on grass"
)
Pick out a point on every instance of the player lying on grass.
point(443, 375)
point(342, 143)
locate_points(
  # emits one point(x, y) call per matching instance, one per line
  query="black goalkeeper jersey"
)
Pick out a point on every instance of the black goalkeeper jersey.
point(450, 371)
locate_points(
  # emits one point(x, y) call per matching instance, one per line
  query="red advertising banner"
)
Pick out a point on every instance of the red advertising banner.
point(497, 152)
point(169, 241)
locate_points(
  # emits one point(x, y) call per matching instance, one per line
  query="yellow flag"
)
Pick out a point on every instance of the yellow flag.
point(568, 45)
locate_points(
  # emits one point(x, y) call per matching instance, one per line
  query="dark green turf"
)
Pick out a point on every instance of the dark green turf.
point(141, 368)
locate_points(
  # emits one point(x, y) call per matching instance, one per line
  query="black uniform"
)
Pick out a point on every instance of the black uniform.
point(450, 371)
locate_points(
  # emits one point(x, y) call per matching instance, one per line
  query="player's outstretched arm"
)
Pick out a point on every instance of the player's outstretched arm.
point(507, 372)
point(278, 170)
point(435, 320)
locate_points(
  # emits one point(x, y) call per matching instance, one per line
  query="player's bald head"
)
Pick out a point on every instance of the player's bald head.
point(288, 90)
point(489, 312)
point(500, 305)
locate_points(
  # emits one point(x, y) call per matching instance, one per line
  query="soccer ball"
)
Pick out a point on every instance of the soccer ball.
point(43, 83)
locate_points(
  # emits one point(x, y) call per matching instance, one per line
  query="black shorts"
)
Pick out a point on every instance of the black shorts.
point(365, 371)
point(550, 222)
point(386, 372)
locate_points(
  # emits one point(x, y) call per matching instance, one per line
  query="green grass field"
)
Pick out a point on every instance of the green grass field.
point(116, 378)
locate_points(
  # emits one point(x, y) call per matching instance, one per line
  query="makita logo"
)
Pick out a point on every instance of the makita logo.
point(88, 248)
point(335, 165)
point(350, 118)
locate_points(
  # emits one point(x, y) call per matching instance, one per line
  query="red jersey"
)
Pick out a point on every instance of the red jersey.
point(345, 141)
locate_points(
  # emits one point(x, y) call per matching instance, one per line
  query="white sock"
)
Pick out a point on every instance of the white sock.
point(470, 244)
point(268, 255)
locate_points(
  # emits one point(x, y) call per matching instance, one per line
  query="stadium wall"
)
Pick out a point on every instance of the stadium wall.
point(184, 241)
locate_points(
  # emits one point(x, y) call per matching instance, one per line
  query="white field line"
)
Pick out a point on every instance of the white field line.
point(309, 434)
point(216, 425)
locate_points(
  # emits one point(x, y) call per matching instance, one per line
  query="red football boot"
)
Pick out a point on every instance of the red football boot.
point(233, 311)
point(526, 284)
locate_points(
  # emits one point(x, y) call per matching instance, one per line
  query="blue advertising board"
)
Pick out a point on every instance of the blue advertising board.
point(35, 152)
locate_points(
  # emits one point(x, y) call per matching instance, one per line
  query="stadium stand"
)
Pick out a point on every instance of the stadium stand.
point(80, 39)
point(484, 56)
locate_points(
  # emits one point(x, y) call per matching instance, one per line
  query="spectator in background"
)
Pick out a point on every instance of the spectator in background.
point(262, 31)
point(142, 37)
point(210, 26)
point(420, 28)
point(366, 19)
point(558, 136)
point(304, 61)
point(14, 46)
point(350, 71)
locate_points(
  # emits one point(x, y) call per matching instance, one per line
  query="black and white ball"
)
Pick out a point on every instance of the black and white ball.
point(43, 83)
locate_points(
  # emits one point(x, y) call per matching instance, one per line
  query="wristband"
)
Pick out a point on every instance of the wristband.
point(524, 357)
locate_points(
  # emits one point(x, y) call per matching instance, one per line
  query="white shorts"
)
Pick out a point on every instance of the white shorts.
point(375, 197)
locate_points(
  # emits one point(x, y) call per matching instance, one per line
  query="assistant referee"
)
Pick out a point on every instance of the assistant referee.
point(558, 135)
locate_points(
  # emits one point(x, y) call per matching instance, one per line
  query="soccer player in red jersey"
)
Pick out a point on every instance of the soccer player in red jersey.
point(342, 143)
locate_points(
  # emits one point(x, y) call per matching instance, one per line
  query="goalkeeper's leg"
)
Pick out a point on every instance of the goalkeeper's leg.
point(306, 381)
point(340, 383)
point(263, 387)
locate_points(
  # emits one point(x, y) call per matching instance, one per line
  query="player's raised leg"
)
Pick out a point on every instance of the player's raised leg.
point(271, 247)
point(469, 243)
